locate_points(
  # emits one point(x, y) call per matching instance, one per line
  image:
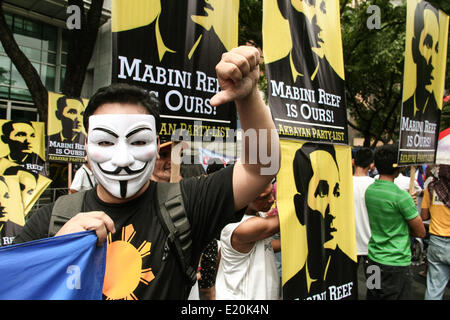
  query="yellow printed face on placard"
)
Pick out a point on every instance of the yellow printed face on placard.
point(324, 18)
point(426, 51)
point(11, 208)
point(226, 29)
point(221, 17)
point(324, 191)
point(319, 23)
point(19, 140)
point(315, 205)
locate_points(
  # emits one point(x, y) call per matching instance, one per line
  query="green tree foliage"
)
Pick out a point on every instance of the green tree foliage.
point(81, 46)
point(374, 61)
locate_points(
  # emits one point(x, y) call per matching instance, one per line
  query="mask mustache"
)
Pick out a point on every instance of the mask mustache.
point(119, 169)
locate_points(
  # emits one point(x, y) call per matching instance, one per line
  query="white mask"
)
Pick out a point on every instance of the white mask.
point(122, 151)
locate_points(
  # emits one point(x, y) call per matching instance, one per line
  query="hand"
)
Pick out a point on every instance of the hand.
point(94, 220)
point(238, 73)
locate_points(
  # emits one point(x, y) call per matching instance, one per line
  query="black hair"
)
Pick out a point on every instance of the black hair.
point(363, 157)
point(7, 127)
point(302, 167)
point(385, 158)
point(214, 164)
point(419, 17)
point(123, 93)
point(61, 103)
point(14, 170)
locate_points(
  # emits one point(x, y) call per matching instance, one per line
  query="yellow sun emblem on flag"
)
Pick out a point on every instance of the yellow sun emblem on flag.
point(124, 269)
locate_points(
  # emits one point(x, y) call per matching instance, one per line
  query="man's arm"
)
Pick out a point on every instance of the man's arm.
point(425, 214)
point(416, 227)
point(252, 230)
point(238, 73)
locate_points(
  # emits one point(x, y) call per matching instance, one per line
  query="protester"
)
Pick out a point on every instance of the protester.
point(363, 162)
point(209, 259)
point(122, 146)
point(392, 216)
point(162, 170)
point(436, 205)
point(276, 238)
point(84, 179)
point(69, 111)
point(163, 173)
point(247, 268)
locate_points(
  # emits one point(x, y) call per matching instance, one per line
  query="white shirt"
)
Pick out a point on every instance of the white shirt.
point(81, 180)
point(403, 183)
point(360, 184)
point(246, 276)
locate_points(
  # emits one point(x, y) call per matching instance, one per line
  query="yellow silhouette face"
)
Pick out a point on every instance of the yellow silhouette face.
point(131, 16)
point(74, 112)
point(23, 137)
point(4, 200)
point(324, 189)
point(225, 28)
point(324, 184)
point(323, 17)
point(140, 13)
point(28, 183)
point(429, 45)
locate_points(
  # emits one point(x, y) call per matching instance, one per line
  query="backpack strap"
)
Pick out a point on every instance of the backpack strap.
point(173, 215)
point(64, 209)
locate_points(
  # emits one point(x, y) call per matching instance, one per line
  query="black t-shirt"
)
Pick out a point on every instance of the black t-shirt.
point(136, 262)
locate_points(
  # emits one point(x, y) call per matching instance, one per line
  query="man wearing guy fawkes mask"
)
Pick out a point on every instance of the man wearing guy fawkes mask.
point(122, 122)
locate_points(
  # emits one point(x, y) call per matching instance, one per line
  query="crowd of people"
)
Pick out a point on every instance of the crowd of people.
point(234, 229)
point(388, 214)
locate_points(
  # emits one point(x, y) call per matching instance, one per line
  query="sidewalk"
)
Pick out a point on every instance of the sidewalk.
point(419, 284)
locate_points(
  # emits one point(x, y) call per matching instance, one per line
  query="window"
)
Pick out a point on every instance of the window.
point(39, 43)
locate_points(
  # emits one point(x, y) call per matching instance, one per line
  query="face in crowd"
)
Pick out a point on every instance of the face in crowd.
point(318, 184)
point(122, 150)
point(425, 47)
point(71, 116)
point(263, 202)
point(20, 139)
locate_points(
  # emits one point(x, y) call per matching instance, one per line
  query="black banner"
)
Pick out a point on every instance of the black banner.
point(305, 73)
point(423, 83)
point(171, 47)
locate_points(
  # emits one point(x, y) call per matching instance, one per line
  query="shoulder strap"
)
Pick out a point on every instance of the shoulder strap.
point(65, 207)
point(173, 215)
point(89, 178)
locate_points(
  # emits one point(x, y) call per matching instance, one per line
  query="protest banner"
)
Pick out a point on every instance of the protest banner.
point(423, 83)
point(317, 221)
point(66, 134)
point(305, 69)
point(23, 143)
point(171, 48)
point(305, 79)
point(32, 185)
point(68, 267)
point(443, 150)
point(12, 218)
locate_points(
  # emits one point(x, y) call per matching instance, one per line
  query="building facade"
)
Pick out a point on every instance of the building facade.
point(39, 28)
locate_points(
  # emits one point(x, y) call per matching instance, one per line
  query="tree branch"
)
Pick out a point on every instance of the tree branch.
point(29, 74)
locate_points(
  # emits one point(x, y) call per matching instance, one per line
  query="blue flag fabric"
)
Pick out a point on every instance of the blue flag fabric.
point(68, 267)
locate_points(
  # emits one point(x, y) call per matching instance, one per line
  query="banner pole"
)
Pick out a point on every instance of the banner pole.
point(69, 176)
point(412, 177)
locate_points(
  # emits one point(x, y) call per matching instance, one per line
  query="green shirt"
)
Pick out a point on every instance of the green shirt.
point(389, 208)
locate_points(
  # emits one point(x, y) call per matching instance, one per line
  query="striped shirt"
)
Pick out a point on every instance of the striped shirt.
point(389, 208)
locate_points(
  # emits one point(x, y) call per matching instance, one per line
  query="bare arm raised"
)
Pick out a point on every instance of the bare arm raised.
point(238, 73)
